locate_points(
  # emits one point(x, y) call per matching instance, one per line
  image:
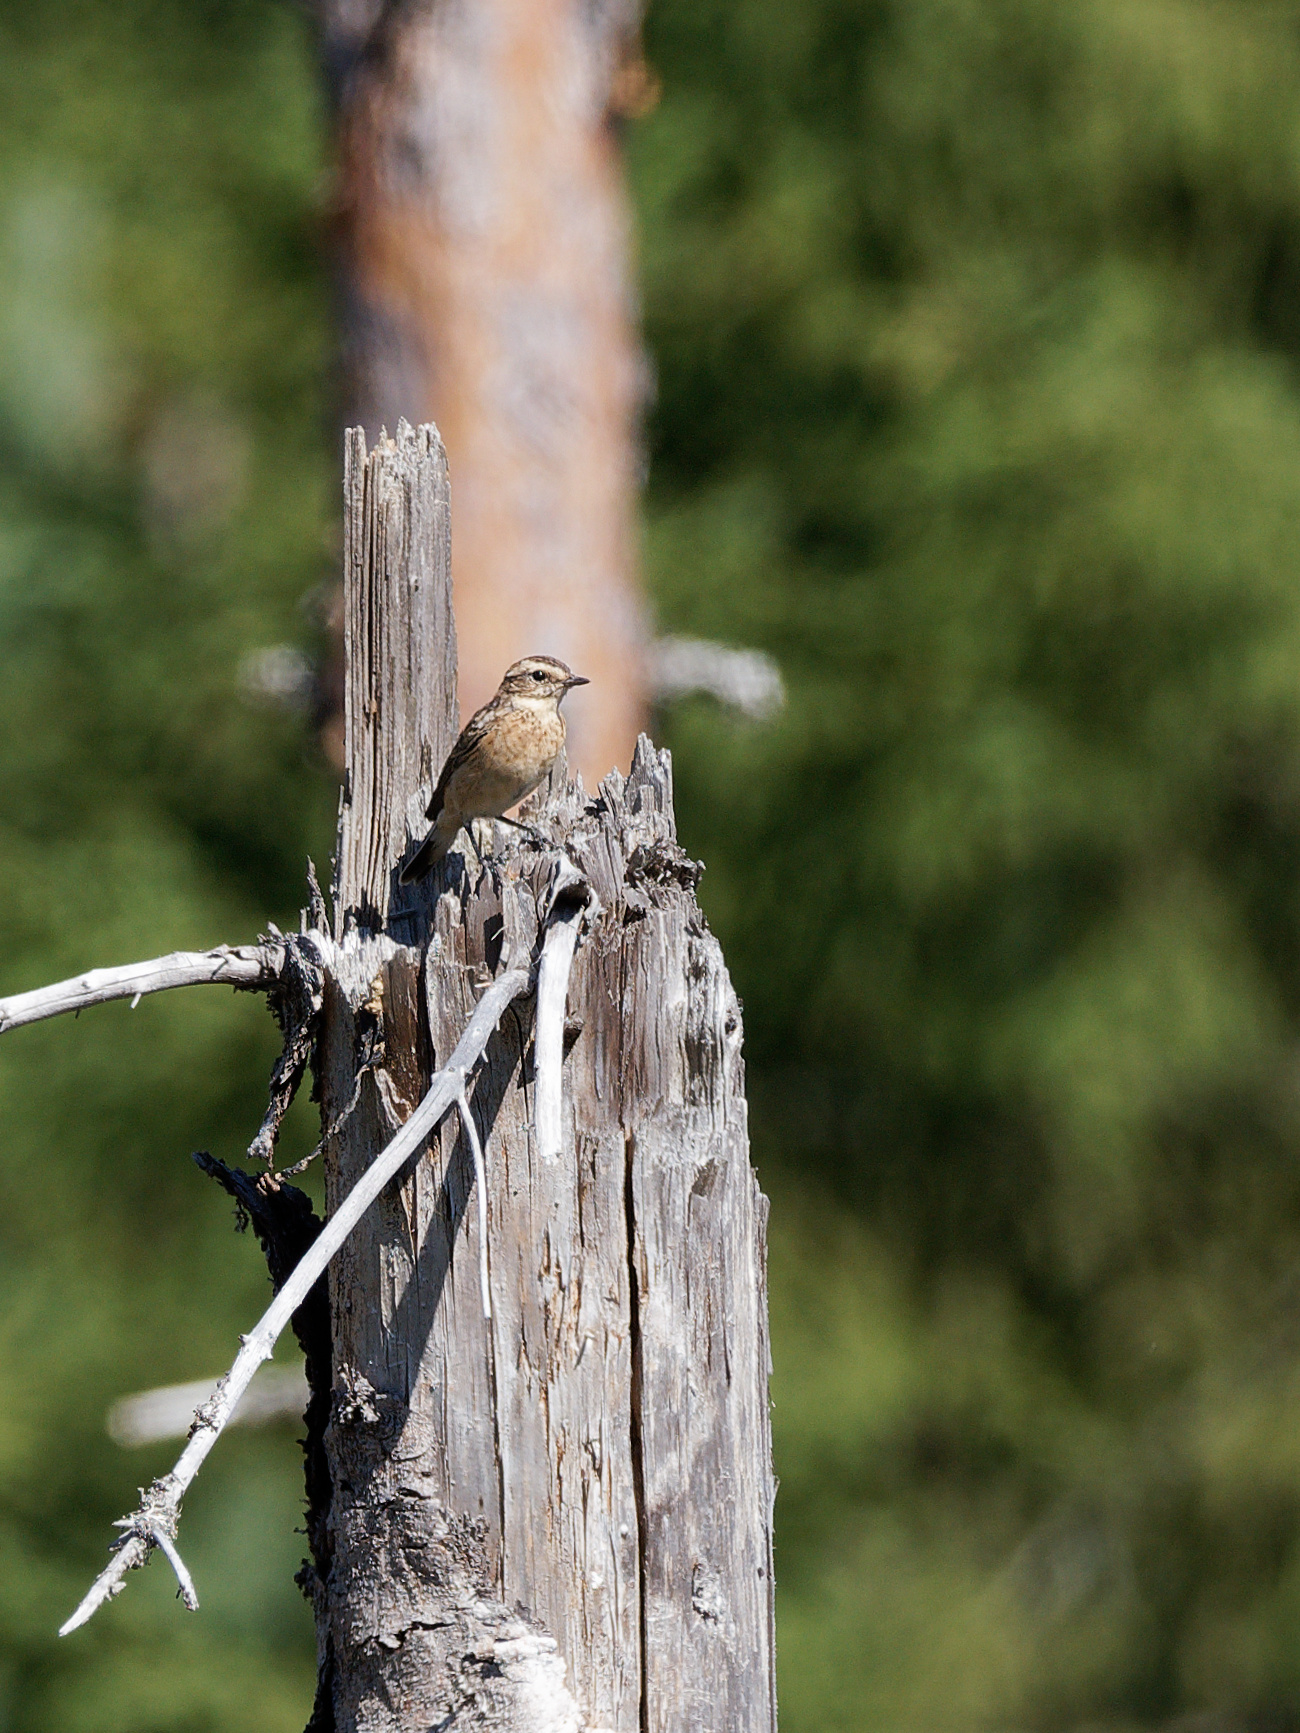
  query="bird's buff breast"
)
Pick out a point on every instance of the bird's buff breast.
point(511, 760)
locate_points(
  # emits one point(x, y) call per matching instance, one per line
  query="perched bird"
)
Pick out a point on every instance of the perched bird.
point(504, 751)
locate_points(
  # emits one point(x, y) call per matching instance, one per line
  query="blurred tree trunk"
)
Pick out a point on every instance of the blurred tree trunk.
point(483, 255)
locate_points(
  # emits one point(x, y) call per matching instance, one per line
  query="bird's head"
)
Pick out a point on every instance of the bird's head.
point(539, 677)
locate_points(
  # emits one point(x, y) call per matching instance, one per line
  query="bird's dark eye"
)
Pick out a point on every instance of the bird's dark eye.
point(538, 675)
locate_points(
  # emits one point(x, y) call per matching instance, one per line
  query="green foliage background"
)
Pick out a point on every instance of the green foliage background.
point(976, 328)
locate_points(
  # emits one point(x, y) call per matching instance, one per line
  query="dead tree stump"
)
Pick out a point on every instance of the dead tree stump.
point(558, 1517)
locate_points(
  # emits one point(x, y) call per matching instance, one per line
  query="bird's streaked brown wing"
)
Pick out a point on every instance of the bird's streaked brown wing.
point(470, 736)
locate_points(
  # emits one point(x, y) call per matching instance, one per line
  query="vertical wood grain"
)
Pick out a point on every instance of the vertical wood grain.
point(560, 1519)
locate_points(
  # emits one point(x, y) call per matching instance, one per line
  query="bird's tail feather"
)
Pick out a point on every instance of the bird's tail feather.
point(425, 858)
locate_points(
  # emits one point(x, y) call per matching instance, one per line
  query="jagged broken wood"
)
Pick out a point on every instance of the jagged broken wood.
point(295, 998)
point(585, 1473)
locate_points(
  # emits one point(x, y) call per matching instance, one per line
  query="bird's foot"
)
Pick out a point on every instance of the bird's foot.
point(528, 830)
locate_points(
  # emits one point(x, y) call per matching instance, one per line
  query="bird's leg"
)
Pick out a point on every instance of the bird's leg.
point(527, 829)
point(473, 841)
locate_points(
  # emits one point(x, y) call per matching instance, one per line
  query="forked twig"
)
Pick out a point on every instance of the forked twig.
point(154, 1523)
point(160, 1504)
point(168, 1547)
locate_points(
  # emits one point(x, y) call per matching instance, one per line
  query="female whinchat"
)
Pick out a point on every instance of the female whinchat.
point(504, 751)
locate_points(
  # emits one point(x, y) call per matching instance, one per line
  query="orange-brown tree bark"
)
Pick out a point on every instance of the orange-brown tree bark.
point(483, 247)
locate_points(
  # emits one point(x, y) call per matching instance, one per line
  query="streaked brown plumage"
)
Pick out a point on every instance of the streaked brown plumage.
point(504, 751)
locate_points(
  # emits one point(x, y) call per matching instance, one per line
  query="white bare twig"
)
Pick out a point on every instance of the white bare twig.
point(570, 894)
point(480, 1185)
point(189, 1594)
point(229, 965)
point(154, 1523)
point(161, 1503)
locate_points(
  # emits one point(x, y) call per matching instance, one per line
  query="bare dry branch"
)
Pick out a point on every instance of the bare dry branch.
point(569, 897)
point(189, 1594)
point(289, 970)
point(160, 1504)
point(480, 1185)
point(249, 966)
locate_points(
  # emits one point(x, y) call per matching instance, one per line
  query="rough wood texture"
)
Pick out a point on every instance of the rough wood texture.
point(400, 692)
point(559, 1518)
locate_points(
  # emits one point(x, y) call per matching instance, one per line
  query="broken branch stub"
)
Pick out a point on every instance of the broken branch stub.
point(295, 997)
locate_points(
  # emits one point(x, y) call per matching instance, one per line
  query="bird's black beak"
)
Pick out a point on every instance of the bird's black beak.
point(576, 680)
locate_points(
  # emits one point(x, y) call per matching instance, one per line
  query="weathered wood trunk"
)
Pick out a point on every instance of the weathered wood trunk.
point(560, 1517)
